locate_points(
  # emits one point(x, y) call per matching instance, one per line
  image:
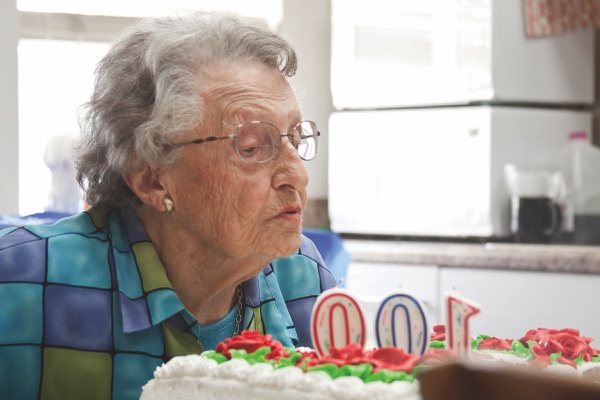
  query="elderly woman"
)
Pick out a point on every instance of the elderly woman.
point(191, 159)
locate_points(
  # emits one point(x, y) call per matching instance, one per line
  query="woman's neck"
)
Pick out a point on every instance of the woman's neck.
point(204, 280)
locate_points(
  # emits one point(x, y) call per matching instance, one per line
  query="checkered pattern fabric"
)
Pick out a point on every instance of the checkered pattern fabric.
point(87, 311)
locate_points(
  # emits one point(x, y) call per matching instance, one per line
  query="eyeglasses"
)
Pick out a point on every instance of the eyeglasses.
point(258, 142)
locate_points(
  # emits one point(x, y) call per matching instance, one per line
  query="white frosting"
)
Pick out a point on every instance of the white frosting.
point(196, 377)
point(591, 369)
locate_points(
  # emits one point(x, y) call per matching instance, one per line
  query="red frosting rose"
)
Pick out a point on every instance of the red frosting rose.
point(566, 341)
point(252, 341)
point(350, 354)
point(542, 358)
point(437, 356)
point(393, 359)
point(494, 343)
point(439, 333)
point(388, 358)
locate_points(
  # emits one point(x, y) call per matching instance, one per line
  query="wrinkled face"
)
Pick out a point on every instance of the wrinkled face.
point(241, 209)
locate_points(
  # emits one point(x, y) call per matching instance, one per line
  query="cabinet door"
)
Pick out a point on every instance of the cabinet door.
point(512, 302)
point(372, 282)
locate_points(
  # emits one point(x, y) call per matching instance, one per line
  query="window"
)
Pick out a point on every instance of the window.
point(61, 42)
point(55, 78)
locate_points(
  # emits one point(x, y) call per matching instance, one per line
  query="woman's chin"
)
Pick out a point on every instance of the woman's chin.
point(286, 244)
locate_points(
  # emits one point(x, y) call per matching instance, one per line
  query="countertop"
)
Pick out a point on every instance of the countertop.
point(530, 257)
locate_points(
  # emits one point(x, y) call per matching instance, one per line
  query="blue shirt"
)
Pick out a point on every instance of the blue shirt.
point(87, 311)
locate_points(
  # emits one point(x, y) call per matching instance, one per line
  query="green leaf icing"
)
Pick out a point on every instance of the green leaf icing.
point(218, 357)
point(519, 349)
point(579, 360)
point(388, 376)
point(361, 371)
point(330, 369)
point(289, 361)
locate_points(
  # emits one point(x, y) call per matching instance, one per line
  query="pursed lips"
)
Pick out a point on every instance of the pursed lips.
point(289, 212)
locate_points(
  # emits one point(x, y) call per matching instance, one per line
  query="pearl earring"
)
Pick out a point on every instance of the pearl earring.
point(168, 203)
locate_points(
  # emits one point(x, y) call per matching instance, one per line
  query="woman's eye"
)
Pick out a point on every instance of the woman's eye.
point(248, 151)
point(255, 153)
point(255, 142)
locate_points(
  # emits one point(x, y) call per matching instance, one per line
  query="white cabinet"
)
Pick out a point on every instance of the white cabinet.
point(513, 302)
point(371, 282)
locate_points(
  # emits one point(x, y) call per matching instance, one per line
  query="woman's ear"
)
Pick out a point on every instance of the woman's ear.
point(147, 186)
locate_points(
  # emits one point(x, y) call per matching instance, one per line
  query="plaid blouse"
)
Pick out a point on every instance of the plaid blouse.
point(87, 311)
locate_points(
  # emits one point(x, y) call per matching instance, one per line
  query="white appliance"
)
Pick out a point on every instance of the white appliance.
point(434, 97)
point(436, 171)
point(395, 53)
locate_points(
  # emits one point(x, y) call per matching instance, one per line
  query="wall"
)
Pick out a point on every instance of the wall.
point(9, 123)
point(307, 25)
point(596, 109)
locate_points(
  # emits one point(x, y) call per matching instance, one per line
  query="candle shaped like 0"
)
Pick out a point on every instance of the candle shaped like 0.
point(337, 320)
point(460, 310)
point(401, 323)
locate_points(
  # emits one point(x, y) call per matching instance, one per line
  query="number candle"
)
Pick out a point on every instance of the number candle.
point(460, 310)
point(337, 320)
point(401, 323)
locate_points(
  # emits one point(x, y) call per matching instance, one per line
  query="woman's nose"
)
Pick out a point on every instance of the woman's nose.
point(290, 169)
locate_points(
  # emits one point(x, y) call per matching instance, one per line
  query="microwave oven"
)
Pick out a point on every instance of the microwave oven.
point(439, 171)
point(403, 53)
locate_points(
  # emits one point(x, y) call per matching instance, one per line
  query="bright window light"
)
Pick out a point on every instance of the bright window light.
point(55, 78)
point(269, 10)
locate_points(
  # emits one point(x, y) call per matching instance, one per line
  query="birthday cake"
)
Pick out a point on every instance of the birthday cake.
point(255, 366)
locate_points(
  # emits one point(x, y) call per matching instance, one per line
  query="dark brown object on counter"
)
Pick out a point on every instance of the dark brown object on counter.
point(471, 381)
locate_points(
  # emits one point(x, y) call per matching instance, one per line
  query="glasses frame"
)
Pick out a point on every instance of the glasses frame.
point(234, 136)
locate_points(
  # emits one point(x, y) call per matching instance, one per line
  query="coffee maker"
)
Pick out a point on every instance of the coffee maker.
point(536, 203)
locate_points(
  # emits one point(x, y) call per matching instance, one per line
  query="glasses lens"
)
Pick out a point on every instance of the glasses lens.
point(307, 143)
point(255, 141)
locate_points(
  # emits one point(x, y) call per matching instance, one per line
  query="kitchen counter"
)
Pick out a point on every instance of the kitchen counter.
point(508, 256)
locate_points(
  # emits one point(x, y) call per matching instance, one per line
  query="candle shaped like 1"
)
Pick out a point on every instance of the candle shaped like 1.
point(337, 320)
point(460, 310)
point(401, 323)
